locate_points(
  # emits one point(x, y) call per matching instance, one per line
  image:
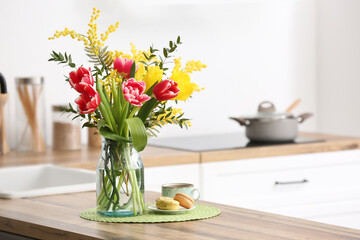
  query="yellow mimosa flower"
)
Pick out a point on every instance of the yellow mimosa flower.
point(193, 65)
point(138, 55)
point(183, 78)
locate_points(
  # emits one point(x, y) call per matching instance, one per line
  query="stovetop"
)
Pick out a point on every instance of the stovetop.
point(215, 142)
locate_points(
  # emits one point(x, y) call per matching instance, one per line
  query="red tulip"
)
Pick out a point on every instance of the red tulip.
point(81, 78)
point(123, 67)
point(166, 90)
point(134, 92)
point(88, 101)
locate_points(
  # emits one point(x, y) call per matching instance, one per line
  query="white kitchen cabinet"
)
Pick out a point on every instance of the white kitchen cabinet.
point(185, 173)
point(344, 213)
point(322, 187)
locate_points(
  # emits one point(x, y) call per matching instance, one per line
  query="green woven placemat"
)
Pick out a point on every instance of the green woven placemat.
point(200, 212)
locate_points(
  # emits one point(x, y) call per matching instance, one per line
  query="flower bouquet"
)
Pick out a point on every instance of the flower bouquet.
point(125, 96)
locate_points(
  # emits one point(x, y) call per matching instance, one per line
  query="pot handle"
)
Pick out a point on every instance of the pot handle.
point(266, 106)
point(241, 121)
point(302, 117)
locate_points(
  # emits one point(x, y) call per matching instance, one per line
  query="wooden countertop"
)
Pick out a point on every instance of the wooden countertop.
point(87, 157)
point(57, 217)
point(330, 143)
point(156, 156)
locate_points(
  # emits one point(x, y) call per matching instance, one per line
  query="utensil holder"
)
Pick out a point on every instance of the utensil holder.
point(30, 114)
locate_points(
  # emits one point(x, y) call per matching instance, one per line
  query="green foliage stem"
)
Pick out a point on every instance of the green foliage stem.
point(62, 59)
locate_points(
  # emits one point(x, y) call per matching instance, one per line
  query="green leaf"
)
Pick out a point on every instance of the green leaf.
point(149, 91)
point(98, 70)
point(58, 57)
point(104, 105)
point(104, 50)
point(75, 117)
point(102, 123)
point(123, 115)
point(106, 96)
point(87, 124)
point(105, 132)
point(178, 40)
point(165, 52)
point(61, 57)
point(69, 110)
point(97, 114)
point(146, 109)
point(92, 56)
point(137, 133)
point(116, 107)
point(133, 70)
point(55, 54)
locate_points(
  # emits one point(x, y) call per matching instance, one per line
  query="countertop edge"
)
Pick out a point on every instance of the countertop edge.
point(64, 228)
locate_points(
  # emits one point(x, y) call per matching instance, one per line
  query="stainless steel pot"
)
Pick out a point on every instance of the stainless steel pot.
point(271, 126)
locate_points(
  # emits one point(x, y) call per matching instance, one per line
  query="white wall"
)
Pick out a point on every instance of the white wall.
point(255, 50)
point(338, 74)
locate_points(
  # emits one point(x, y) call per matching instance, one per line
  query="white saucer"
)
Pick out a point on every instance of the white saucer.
point(181, 210)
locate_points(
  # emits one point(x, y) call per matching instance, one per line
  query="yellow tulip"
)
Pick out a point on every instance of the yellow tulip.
point(184, 83)
point(153, 75)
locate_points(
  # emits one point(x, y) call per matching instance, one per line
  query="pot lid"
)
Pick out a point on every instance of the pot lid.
point(267, 111)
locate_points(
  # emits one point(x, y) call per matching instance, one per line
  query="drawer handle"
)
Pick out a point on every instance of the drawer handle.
point(291, 182)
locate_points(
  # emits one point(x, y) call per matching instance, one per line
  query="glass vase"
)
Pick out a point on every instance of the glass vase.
point(119, 180)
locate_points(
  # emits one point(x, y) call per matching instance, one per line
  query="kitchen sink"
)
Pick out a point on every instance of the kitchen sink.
point(44, 179)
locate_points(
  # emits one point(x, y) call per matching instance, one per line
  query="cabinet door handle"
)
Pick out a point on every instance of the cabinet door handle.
point(291, 182)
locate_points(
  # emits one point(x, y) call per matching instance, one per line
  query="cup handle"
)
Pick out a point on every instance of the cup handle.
point(198, 194)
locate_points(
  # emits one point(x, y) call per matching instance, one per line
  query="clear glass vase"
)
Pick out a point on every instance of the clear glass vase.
point(119, 180)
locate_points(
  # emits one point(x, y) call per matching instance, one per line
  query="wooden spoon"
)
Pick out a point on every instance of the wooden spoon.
point(293, 105)
point(3, 99)
point(3, 144)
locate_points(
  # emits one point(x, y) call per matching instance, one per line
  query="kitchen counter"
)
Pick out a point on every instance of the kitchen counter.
point(87, 157)
point(57, 217)
point(330, 143)
point(157, 156)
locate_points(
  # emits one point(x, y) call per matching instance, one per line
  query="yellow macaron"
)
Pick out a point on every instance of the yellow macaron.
point(166, 203)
